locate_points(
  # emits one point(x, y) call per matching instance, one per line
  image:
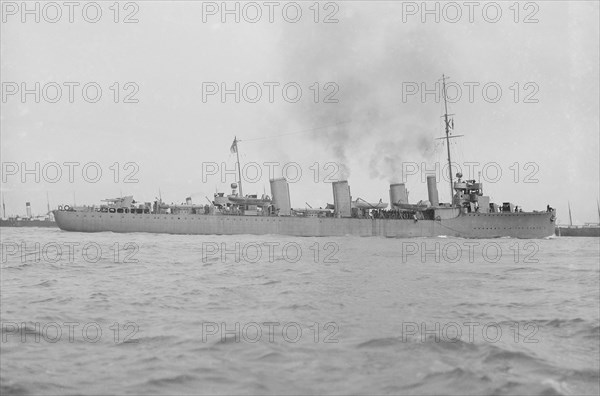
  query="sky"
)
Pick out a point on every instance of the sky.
point(361, 101)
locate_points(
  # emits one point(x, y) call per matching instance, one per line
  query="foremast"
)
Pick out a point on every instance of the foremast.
point(447, 128)
point(449, 124)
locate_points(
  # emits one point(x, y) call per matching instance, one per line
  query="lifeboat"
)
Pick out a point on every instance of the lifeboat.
point(250, 200)
point(419, 207)
point(362, 204)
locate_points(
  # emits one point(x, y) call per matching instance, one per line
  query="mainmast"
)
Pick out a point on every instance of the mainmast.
point(234, 149)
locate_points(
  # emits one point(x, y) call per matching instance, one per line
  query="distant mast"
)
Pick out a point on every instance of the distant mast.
point(570, 218)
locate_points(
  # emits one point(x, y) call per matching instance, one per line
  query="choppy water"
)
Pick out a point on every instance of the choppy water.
point(512, 316)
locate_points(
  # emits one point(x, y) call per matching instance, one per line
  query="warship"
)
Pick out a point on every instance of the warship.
point(470, 214)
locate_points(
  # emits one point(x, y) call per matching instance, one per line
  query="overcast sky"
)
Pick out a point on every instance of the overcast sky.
point(543, 128)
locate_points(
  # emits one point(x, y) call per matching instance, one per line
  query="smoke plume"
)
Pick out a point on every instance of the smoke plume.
point(369, 54)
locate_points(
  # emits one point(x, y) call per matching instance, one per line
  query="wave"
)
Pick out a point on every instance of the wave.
point(575, 326)
point(524, 269)
point(172, 380)
point(47, 283)
point(13, 389)
point(295, 307)
point(497, 354)
point(381, 342)
point(152, 340)
point(547, 388)
point(271, 356)
point(271, 282)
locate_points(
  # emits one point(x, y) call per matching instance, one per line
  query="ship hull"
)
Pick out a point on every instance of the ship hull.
point(471, 225)
point(28, 223)
point(578, 231)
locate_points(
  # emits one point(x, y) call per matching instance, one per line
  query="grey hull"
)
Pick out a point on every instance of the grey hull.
point(28, 223)
point(578, 231)
point(471, 225)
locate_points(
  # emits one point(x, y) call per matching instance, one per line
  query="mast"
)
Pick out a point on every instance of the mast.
point(234, 147)
point(47, 202)
point(447, 123)
point(570, 218)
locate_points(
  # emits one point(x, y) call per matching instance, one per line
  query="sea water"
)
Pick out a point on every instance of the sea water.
point(174, 314)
